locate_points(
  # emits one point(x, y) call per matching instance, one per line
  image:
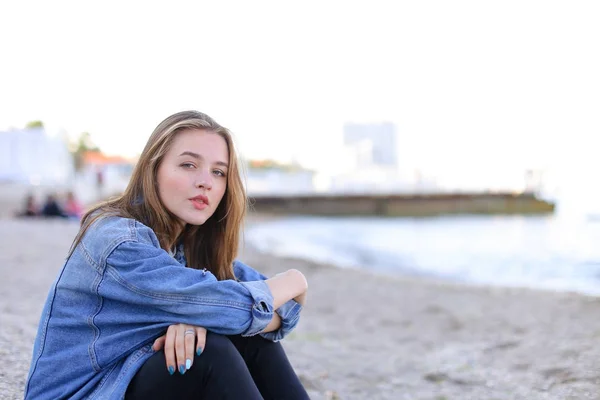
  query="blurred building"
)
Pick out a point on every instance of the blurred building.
point(33, 157)
point(375, 144)
point(369, 163)
point(271, 178)
point(102, 175)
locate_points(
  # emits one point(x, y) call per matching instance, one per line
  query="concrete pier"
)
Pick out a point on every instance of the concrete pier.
point(398, 205)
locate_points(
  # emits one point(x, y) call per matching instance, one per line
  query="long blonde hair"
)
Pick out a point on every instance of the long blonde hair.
point(213, 245)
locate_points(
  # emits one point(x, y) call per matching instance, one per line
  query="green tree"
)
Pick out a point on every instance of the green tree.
point(83, 144)
point(34, 124)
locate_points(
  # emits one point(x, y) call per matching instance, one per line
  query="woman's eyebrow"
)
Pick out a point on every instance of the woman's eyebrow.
point(191, 154)
point(199, 157)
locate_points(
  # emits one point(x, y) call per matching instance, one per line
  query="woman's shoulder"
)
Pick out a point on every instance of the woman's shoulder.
point(107, 232)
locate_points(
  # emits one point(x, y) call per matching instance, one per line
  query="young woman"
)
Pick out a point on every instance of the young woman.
point(151, 303)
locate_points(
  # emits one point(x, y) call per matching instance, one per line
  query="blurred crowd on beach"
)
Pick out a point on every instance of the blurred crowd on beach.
point(65, 206)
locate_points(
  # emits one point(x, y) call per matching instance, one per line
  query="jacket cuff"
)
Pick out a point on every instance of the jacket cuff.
point(262, 309)
point(290, 315)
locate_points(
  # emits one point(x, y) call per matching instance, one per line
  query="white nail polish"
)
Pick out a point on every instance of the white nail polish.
point(188, 364)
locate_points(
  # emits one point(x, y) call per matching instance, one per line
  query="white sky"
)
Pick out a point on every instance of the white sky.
point(472, 85)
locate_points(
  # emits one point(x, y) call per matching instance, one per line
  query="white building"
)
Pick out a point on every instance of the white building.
point(375, 144)
point(369, 163)
point(279, 181)
point(32, 157)
point(102, 176)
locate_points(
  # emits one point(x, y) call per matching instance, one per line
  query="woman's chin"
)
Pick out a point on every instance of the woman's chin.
point(196, 220)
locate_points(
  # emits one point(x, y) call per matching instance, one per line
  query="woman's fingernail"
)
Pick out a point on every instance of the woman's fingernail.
point(188, 364)
point(199, 351)
point(171, 369)
point(182, 369)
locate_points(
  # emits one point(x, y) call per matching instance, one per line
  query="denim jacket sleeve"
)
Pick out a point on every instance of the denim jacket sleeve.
point(289, 312)
point(141, 274)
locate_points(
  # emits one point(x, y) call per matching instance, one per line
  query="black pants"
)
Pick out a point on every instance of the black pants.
point(230, 367)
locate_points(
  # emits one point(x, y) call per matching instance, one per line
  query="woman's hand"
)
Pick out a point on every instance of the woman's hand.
point(181, 342)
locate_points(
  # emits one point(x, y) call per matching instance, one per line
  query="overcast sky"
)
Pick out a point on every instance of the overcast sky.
point(473, 86)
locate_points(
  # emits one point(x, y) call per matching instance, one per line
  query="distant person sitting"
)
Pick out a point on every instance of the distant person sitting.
point(99, 183)
point(31, 209)
point(51, 208)
point(73, 208)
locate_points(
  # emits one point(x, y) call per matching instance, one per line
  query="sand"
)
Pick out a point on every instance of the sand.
point(362, 336)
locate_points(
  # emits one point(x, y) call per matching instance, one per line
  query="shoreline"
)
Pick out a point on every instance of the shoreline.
point(391, 273)
point(362, 335)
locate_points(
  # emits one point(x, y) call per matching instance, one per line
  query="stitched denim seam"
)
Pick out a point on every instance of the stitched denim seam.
point(88, 257)
point(108, 249)
point(128, 352)
point(142, 351)
point(43, 336)
point(290, 323)
point(113, 245)
point(296, 308)
point(135, 231)
point(44, 331)
point(102, 382)
point(93, 326)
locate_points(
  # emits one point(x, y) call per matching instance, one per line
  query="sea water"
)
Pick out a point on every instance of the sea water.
point(560, 252)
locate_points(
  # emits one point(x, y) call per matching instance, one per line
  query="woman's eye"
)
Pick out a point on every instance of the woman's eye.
point(187, 165)
point(218, 172)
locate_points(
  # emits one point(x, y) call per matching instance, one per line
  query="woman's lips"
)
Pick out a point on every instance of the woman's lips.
point(199, 204)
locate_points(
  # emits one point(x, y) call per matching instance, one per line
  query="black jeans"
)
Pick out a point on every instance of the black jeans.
point(230, 367)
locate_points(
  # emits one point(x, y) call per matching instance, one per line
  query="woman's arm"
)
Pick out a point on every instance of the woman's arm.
point(282, 286)
point(287, 316)
point(143, 275)
point(181, 352)
point(245, 273)
point(151, 281)
point(274, 325)
point(287, 286)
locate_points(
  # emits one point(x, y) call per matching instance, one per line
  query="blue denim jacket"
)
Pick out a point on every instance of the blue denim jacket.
point(117, 293)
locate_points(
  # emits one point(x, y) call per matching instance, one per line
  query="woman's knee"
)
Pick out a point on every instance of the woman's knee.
point(219, 344)
point(252, 344)
point(218, 349)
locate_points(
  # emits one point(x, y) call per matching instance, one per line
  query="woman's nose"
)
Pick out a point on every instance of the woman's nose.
point(204, 180)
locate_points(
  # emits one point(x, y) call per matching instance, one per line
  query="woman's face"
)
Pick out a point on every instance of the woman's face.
point(192, 176)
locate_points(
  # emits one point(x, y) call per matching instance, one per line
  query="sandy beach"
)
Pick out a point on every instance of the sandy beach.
point(362, 335)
